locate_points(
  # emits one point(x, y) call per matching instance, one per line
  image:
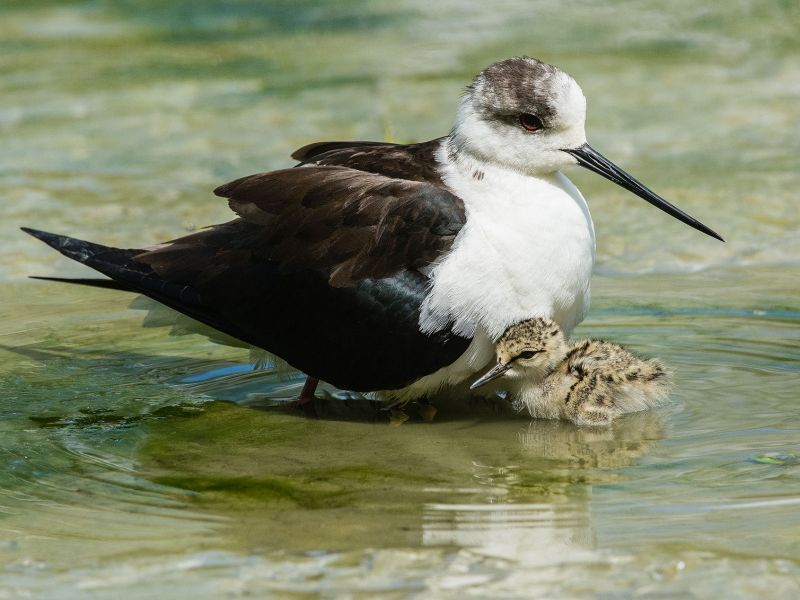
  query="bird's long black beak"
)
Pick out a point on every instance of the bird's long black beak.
point(497, 371)
point(591, 159)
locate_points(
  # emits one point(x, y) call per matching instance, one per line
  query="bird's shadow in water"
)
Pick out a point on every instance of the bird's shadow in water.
point(265, 388)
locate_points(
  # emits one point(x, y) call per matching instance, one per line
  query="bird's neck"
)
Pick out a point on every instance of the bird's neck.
point(555, 361)
point(461, 168)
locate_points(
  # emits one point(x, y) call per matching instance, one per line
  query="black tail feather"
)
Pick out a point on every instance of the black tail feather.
point(98, 283)
point(85, 252)
point(128, 274)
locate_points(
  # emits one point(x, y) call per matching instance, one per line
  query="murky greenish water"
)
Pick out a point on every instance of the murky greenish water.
point(139, 464)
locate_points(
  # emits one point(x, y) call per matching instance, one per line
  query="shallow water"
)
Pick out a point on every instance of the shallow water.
point(142, 464)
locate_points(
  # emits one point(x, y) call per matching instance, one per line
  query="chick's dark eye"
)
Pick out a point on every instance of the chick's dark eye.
point(530, 122)
point(527, 354)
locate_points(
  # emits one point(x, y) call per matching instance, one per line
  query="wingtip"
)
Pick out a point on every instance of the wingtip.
point(45, 236)
point(226, 190)
point(43, 278)
point(109, 284)
point(222, 190)
point(304, 153)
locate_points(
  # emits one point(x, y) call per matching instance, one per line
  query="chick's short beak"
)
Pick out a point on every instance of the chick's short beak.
point(497, 371)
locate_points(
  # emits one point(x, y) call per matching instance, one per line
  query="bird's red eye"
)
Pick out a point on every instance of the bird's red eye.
point(530, 122)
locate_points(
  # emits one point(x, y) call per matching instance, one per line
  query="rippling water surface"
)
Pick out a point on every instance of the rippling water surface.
point(137, 462)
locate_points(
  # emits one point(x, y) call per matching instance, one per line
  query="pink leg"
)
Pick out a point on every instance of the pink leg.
point(306, 399)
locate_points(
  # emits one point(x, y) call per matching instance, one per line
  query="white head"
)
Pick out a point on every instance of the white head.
point(528, 116)
point(522, 113)
point(527, 352)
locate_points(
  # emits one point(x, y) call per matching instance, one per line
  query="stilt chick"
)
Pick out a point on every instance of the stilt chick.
point(588, 382)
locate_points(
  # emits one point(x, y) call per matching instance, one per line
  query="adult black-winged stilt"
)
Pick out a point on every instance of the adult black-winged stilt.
point(392, 267)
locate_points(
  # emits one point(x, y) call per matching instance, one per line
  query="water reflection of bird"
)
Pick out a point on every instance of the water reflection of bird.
point(383, 266)
point(533, 502)
point(589, 382)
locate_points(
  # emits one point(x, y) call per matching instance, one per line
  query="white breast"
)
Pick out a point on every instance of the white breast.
point(527, 250)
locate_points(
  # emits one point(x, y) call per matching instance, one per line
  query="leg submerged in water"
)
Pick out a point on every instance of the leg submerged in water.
point(306, 399)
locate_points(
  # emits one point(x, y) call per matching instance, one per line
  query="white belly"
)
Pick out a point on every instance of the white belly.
point(527, 250)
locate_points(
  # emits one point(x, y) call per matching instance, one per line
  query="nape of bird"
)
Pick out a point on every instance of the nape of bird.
point(393, 267)
point(588, 382)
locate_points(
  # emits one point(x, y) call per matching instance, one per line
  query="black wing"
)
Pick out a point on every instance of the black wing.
point(347, 223)
point(412, 162)
point(322, 270)
point(308, 152)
